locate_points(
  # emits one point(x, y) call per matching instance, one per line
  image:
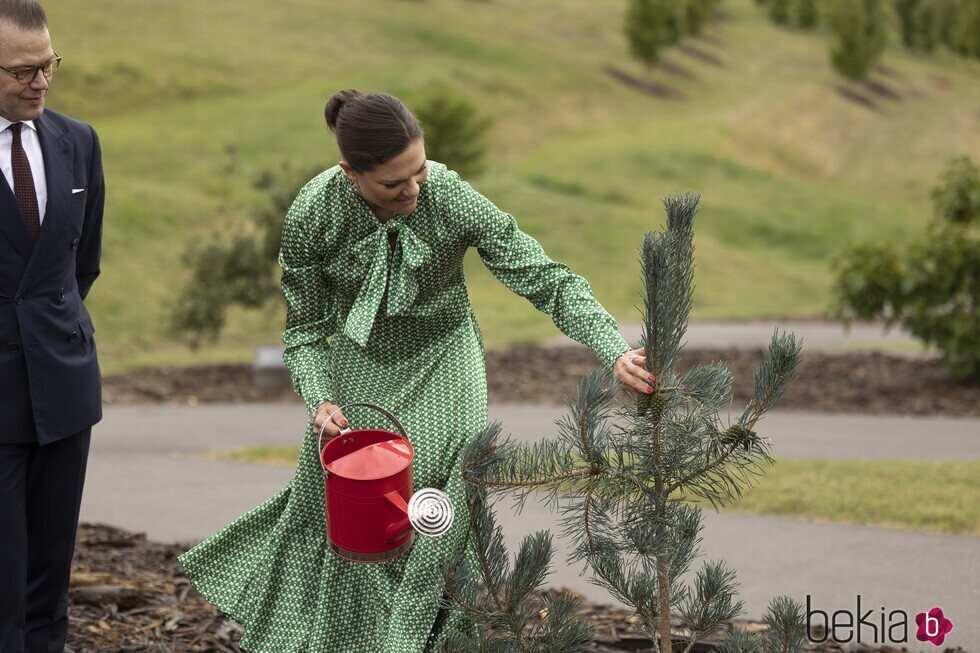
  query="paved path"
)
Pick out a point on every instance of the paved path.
point(817, 336)
point(143, 476)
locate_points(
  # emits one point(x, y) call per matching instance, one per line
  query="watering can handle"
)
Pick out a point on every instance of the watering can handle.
point(319, 441)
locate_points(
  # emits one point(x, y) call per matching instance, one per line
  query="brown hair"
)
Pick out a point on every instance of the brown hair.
point(370, 128)
point(26, 14)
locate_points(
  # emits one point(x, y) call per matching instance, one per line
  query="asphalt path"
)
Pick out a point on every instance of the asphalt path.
point(146, 474)
point(816, 335)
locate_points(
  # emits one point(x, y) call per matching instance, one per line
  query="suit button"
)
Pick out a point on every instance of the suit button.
point(74, 244)
point(61, 295)
point(73, 337)
point(18, 301)
point(13, 349)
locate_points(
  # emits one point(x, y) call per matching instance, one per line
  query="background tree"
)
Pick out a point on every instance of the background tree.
point(455, 133)
point(697, 13)
point(860, 30)
point(963, 27)
point(918, 23)
point(806, 13)
point(932, 285)
point(239, 268)
point(645, 30)
point(779, 11)
point(624, 475)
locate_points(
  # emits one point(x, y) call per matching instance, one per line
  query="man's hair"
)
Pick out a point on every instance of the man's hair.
point(26, 14)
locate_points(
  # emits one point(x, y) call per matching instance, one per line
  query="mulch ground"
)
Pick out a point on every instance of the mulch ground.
point(871, 383)
point(129, 595)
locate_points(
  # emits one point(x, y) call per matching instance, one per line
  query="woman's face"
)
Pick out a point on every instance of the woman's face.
point(393, 186)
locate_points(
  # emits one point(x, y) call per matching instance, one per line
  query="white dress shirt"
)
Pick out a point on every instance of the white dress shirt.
point(32, 145)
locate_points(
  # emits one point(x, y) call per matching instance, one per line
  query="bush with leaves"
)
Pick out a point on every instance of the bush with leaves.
point(455, 133)
point(696, 15)
point(918, 23)
point(860, 30)
point(240, 268)
point(779, 11)
point(960, 26)
point(932, 285)
point(645, 30)
point(806, 13)
point(651, 25)
point(622, 476)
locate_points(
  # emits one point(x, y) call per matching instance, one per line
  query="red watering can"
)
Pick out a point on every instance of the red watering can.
point(372, 514)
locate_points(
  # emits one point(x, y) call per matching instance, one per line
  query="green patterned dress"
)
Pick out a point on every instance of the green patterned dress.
point(379, 313)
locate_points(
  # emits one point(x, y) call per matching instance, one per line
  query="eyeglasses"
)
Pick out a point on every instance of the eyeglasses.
point(26, 74)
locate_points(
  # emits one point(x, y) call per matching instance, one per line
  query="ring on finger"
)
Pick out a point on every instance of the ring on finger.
point(633, 359)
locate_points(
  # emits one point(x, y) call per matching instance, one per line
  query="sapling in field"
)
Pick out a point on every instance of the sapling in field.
point(628, 479)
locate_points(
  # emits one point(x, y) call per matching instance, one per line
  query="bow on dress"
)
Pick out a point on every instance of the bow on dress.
point(409, 254)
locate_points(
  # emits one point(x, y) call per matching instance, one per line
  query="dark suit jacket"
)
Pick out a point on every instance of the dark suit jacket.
point(50, 387)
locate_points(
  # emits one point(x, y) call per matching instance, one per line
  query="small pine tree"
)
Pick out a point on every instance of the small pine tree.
point(645, 30)
point(918, 23)
point(455, 134)
point(625, 476)
point(779, 11)
point(672, 14)
point(965, 28)
point(860, 28)
point(926, 22)
point(697, 13)
point(806, 13)
point(906, 12)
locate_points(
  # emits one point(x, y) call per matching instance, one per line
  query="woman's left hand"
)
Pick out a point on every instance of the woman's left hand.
point(628, 369)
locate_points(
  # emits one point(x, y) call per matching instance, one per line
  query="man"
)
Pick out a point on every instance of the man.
point(51, 197)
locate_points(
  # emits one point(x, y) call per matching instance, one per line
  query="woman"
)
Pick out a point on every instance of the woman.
point(372, 258)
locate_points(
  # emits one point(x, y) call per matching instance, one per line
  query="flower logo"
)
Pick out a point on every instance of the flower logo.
point(933, 626)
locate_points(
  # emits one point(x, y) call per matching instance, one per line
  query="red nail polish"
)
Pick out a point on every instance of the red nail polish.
point(650, 378)
point(345, 423)
point(649, 391)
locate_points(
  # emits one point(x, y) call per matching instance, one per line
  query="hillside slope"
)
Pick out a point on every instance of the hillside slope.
point(194, 100)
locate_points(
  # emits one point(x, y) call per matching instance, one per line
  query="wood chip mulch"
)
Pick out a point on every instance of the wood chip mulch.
point(129, 595)
point(869, 383)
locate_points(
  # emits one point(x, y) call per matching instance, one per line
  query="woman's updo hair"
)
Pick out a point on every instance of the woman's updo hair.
point(370, 129)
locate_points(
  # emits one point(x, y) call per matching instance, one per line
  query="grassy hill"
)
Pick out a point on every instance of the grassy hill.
point(194, 100)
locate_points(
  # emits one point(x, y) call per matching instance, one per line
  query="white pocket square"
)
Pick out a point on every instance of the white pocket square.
point(77, 190)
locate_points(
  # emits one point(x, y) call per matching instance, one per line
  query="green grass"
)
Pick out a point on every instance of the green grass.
point(942, 496)
point(263, 455)
point(193, 100)
point(939, 496)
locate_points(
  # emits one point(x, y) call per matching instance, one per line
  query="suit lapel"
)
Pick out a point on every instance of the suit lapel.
point(58, 149)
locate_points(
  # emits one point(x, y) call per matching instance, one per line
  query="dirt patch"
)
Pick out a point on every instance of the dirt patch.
point(871, 383)
point(647, 86)
point(941, 82)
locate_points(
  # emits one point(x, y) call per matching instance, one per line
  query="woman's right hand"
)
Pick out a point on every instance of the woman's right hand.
point(337, 420)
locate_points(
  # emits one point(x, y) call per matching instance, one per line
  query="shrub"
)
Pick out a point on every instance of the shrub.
point(455, 133)
point(931, 286)
point(859, 27)
point(238, 269)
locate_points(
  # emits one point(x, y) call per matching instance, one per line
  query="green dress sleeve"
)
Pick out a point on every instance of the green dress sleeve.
point(518, 261)
point(310, 319)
